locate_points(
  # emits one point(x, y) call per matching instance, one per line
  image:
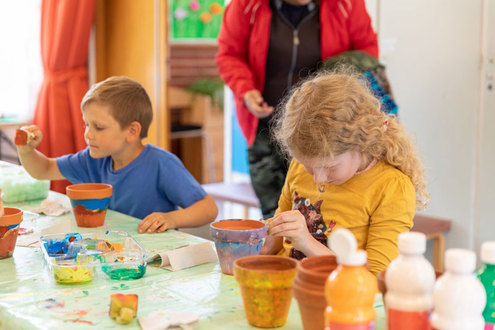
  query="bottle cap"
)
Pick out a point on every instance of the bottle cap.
point(343, 243)
point(460, 261)
point(488, 252)
point(412, 243)
point(358, 258)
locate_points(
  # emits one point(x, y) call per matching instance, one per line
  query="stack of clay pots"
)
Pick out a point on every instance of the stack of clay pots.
point(309, 289)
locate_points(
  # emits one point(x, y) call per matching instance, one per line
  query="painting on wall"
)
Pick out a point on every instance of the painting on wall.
point(195, 19)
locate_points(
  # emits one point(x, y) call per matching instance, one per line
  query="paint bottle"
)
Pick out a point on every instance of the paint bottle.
point(410, 279)
point(350, 289)
point(486, 274)
point(458, 295)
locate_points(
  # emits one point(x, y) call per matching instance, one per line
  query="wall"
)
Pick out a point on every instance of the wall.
point(432, 53)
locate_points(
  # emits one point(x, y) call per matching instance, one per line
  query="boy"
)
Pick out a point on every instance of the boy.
point(148, 182)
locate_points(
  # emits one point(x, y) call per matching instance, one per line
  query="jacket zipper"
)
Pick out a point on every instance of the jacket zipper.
point(295, 45)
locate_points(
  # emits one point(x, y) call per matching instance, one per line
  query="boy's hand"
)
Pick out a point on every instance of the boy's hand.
point(156, 222)
point(35, 137)
point(291, 224)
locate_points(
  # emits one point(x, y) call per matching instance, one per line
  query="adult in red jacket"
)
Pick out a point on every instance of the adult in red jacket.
point(266, 47)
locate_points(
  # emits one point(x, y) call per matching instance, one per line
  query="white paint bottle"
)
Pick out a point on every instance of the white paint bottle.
point(458, 296)
point(409, 279)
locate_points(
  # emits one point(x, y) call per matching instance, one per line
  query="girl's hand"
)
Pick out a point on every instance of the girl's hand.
point(156, 222)
point(291, 224)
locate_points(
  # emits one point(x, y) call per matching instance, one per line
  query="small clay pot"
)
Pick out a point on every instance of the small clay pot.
point(266, 288)
point(9, 228)
point(89, 203)
point(236, 238)
point(309, 289)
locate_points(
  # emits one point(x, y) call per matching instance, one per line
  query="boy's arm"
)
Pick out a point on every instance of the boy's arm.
point(36, 164)
point(200, 213)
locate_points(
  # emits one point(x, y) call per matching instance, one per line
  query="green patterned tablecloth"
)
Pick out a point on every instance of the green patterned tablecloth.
point(30, 297)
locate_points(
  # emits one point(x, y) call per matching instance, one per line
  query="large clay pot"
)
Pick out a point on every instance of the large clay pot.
point(266, 288)
point(236, 238)
point(89, 203)
point(9, 227)
point(309, 289)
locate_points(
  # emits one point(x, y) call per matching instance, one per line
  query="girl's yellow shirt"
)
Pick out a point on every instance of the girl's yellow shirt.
point(376, 206)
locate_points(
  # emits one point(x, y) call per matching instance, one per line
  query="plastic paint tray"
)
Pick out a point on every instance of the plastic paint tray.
point(77, 257)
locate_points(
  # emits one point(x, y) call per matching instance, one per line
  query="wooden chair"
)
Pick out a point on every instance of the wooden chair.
point(243, 194)
point(434, 229)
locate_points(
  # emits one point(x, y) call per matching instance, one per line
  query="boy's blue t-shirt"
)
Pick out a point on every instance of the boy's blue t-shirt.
point(156, 181)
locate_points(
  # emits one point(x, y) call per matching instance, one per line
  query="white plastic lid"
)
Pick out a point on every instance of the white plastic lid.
point(358, 258)
point(488, 252)
point(412, 243)
point(460, 261)
point(343, 243)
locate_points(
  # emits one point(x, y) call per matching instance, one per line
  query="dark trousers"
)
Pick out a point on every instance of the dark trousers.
point(268, 169)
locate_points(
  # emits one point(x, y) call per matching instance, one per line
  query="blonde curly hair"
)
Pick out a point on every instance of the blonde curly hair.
point(332, 113)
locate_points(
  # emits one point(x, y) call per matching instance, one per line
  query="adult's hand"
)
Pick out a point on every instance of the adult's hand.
point(256, 105)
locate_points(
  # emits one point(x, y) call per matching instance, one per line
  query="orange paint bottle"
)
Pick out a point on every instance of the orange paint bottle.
point(350, 289)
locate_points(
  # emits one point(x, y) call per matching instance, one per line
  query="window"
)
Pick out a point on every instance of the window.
point(21, 70)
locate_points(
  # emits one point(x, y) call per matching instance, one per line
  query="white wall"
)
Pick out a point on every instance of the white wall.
point(432, 50)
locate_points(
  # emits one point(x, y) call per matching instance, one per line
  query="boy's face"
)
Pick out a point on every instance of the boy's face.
point(339, 170)
point(103, 133)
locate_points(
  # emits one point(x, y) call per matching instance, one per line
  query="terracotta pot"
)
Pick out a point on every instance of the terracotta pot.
point(309, 289)
point(236, 238)
point(89, 203)
point(9, 227)
point(266, 288)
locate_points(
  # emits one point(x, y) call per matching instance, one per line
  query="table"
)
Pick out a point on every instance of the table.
point(30, 297)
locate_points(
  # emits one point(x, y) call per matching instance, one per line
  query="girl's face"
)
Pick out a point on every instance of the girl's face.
point(339, 170)
point(103, 133)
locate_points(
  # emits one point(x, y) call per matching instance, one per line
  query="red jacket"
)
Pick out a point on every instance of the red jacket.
point(244, 37)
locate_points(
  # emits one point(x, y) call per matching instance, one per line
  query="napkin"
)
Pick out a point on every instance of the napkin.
point(163, 319)
point(186, 256)
point(51, 208)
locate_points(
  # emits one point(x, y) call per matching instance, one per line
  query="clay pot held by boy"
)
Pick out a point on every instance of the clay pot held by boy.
point(89, 203)
point(266, 288)
point(236, 238)
point(9, 227)
point(309, 289)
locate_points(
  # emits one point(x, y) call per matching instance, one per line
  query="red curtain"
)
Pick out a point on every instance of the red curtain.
point(65, 30)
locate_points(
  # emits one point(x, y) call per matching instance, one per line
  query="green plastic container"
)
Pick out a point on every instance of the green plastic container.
point(486, 274)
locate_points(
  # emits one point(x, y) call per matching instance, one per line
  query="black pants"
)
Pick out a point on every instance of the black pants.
point(268, 169)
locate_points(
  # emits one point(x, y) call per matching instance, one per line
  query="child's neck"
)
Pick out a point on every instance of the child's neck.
point(366, 165)
point(127, 155)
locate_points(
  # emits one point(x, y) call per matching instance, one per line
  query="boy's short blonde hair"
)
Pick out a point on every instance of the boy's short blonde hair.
point(127, 98)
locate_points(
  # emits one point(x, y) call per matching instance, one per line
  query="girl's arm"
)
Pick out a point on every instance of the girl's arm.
point(394, 215)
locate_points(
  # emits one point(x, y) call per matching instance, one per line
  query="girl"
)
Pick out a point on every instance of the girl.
point(352, 167)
